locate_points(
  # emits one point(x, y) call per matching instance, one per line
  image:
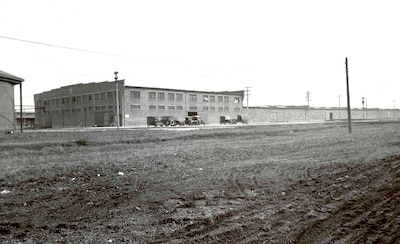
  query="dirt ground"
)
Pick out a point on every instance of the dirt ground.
point(309, 183)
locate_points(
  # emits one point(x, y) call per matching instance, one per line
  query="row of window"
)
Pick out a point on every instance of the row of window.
point(80, 99)
point(191, 108)
point(160, 96)
point(97, 108)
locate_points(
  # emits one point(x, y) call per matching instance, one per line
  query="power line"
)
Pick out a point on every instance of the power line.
point(63, 47)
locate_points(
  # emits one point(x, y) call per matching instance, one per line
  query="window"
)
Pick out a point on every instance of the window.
point(152, 96)
point(73, 100)
point(135, 94)
point(135, 107)
point(226, 99)
point(161, 107)
point(78, 99)
point(161, 96)
point(90, 97)
point(205, 98)
point(103, 107)
point(212, 99)
point(179, 97)
point(85, 99)
point(192, 108)
point(110, 107)
point(68, 100)
point(226, 109)
point(236, 100)
point(192, 97)
point(171, 96)
point(152, 107)
point(97, 96)
point(179, 107)
point(171, 107)
point(237, 109)
point(220, 109)
point(53, 101)
point(212, 108)
point(205, 108)
point(110, 95)
point(220, 99)
point(103, 96)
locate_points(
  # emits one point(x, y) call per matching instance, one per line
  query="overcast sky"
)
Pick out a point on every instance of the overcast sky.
point(281, 49)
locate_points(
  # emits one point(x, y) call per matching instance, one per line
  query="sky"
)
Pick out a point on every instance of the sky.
point(280, 49)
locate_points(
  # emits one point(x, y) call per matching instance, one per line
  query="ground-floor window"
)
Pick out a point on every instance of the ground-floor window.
point(135, 107)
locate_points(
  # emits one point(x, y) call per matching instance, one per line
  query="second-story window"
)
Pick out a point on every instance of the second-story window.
point(161, 96)
point(192, 98)
point(152, 96)
point(179, 97)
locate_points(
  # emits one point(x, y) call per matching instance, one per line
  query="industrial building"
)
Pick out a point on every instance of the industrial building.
point(95, 104)
point(7, 103)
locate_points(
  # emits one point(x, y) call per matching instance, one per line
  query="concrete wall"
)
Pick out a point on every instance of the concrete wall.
point(293, 114)
point(7, 115)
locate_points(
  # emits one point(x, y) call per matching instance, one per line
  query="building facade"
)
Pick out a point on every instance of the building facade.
point(262, 114)
point(7, 103)
point(94, 104)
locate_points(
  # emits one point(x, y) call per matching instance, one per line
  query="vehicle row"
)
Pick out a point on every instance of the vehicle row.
point(173, 121)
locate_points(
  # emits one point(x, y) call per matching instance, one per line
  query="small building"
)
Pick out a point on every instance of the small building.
point(7, 103)
point(95, 104)
point(27, 119)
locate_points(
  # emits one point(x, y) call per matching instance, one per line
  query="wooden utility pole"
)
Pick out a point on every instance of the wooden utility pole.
point(348, 97)
point(247, 97)
point(116, 98)
point(308, 99)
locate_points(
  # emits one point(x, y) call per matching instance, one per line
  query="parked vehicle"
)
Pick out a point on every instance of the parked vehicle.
point(226, 120)
point(170, 121)
point(194, 120)
point(242, 120)
point(154, 121)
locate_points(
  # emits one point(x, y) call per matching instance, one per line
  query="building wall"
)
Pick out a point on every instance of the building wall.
point(7, 116)
point(94, 104)
point(141, 102)
point(297, 114)
point(80, 105)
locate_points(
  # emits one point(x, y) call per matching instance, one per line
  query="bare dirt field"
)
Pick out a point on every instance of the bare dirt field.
point(310, 183)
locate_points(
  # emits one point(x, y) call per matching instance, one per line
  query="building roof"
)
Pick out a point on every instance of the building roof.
point(239, 92)
point(6, 77)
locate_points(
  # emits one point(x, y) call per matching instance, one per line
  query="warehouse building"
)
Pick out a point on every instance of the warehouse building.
point(95, 104)
point(7, 103)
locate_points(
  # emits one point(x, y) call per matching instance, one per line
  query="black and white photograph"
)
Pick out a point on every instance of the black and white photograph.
point(220, 121)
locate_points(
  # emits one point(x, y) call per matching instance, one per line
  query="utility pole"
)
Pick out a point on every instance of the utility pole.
point(308, 99)
point(116, 98)
point(363, 109)
point(247, 97)
point(339, 108)
point(348, 97)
